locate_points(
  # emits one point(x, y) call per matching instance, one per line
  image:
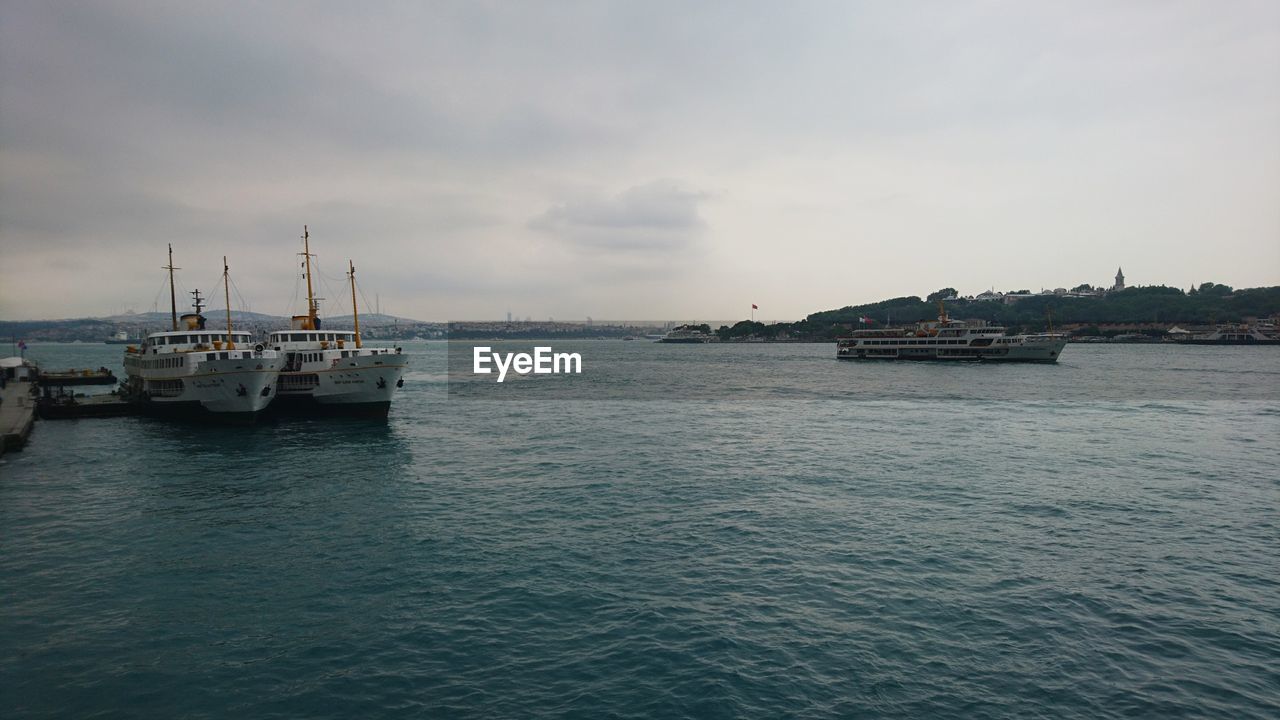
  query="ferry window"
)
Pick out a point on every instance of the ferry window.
point(312, 337)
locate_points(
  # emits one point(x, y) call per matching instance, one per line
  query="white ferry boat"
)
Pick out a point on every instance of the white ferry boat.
point(689, 335)
point(333, 371)
point(1234, 335)
point(191, 370)
point(949, 339)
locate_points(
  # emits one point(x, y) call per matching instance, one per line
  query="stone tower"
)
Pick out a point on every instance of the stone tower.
point(1119, 280)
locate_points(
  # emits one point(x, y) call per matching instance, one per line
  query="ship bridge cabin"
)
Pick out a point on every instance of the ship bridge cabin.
point(945, 329)
point(188, 340)
point(956, 329)
point(312, 339)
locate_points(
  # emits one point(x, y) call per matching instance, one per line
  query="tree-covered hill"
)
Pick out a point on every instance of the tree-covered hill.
point(1210, 303)
point(1207, 304)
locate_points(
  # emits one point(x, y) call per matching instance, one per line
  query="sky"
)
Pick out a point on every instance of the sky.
point(631, 160)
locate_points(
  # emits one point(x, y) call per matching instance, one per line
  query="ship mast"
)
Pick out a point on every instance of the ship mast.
point(226, 291)
point(312, 310)
point(173, 298)
point(355, 316)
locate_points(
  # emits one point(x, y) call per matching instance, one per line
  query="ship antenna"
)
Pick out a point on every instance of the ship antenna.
point(355, 316)
point(311, 298)
point(173, 298)
point(199, 302)
point(226, 290)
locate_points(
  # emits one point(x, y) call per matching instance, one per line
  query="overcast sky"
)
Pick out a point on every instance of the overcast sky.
point(640, 160)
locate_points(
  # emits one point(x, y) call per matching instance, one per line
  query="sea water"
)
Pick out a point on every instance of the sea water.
point(696, 531)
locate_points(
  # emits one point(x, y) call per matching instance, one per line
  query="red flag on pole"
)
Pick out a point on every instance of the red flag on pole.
point(754, 306)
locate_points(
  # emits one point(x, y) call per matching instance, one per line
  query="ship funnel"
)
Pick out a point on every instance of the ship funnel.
point(302, 322)
point(192, 321)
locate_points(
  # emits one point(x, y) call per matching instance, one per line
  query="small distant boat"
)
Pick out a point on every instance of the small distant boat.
point(101, 376)
point(122, 338)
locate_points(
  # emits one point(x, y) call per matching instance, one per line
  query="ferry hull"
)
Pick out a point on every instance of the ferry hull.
point(194, 410)
point(363, 388)
point(1048, 360)
point(222, 390)
point(306, 406)
point(1227, 342)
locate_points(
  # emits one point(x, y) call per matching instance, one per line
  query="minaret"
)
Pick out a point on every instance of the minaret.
point(1119, 280)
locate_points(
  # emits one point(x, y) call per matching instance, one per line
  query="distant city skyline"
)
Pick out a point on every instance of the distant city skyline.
point(631, 160)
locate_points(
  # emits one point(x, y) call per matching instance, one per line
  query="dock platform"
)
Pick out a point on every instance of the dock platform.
point(86, 406)
point(17, 414)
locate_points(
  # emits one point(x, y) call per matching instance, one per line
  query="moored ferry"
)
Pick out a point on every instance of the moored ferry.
point(197, 371)
point(333, 371)
point(949, 339)
point(191, 370)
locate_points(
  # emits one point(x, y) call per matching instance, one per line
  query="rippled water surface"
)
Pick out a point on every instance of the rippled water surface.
point(762, 531)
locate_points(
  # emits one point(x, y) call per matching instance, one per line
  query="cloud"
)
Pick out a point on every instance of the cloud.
point(659, 216)
point(474, 157)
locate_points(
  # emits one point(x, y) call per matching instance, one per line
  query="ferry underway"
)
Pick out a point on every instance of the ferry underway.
point(332, 371)
point(949, 339)
point(688, 335)
point(194, 371)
